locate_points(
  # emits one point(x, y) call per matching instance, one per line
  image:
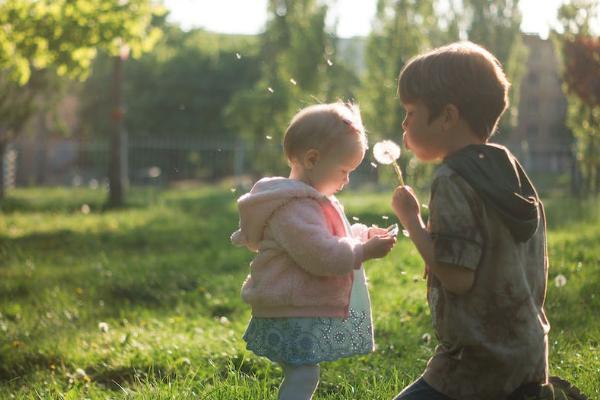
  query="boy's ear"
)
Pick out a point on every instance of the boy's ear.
point(451, 115)
point(311, 158)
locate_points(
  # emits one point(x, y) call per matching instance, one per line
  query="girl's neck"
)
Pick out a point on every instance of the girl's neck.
point(298, 175)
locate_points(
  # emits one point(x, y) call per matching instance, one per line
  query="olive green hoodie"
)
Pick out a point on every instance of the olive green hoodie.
point(496, 175)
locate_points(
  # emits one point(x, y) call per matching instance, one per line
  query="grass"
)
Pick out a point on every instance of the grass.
point(163, 277)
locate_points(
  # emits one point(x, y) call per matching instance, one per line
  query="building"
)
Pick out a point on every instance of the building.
point(541, 139)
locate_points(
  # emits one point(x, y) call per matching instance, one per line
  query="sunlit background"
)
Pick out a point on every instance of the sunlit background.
point(129, 128)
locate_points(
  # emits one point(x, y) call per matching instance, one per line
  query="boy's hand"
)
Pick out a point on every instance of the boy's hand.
point(406, 206)
point(378, 246)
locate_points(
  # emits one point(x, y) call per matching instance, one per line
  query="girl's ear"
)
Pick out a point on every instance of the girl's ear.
point(311, 158)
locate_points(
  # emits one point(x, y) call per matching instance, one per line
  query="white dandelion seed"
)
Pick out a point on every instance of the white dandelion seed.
point(385, 217)
point(426, 338)
point(425, 206)
point(356, 218)
point(405, 233)
point(387, 152)
point(270, 89)
point(329, 62)
point(224, 320)
point(85, 209)
point(238, 56)
point(373, 165)
point(560, 280)
point(232, 190)
point(269, 137)
point(293, 81)
point(103, 326)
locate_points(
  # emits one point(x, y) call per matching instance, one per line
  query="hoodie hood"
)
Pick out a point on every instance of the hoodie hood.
point(496, 175)
point(257, 206)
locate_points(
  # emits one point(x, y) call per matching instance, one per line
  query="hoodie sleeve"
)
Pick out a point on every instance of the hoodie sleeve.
point(453, 223)
point(300, 228)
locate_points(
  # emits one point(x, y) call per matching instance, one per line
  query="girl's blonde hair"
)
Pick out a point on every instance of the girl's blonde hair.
point(321, 127)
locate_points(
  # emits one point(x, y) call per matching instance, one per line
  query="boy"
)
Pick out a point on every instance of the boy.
point(484, 245)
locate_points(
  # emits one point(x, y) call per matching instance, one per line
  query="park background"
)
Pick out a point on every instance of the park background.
point(126, 136)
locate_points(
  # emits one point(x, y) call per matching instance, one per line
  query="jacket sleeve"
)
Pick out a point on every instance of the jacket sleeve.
point(360, 231)
point(301, 230)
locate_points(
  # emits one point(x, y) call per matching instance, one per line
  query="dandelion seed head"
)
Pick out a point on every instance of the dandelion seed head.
point(85, 209)
point(426, 338)
point(386, 152)
point(560, 280)
point(224, 321)
point(103, 326)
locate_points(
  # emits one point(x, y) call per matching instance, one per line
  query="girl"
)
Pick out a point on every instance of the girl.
point(306, 286)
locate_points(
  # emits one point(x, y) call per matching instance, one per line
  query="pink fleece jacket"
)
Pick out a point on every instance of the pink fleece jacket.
point(306, 256)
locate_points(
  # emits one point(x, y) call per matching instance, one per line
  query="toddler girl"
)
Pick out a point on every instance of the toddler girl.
point(306, 285)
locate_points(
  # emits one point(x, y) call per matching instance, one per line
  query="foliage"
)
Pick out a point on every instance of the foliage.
point(298, 67)
point(165, 280)
point(580, 48)
point(66, 34)
point(42, 37)
point(401, 30)
point(179, 89)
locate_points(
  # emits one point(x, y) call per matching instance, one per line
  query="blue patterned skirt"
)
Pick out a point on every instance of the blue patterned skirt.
point(300, 341)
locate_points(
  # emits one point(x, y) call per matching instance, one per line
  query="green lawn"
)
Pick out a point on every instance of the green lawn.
point(163, 278)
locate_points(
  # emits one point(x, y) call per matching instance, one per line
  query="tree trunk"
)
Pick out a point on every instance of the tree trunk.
point(3, 146)
point(42, 144)
point(117, 168)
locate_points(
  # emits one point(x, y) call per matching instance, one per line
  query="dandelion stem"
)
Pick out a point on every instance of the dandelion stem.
point(398, 172)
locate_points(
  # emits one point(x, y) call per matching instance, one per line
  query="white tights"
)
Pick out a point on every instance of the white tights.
point(299, 382)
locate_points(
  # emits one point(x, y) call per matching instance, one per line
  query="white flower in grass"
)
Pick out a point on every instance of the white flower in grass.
point(426, 338)
point(103, 326)
point(560, 280)
point(387, 152)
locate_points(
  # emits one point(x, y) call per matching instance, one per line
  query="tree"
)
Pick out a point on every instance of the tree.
point(178, 90)
point(580, 48)
point(298, 66)
point(401, 30)
point(61, 37)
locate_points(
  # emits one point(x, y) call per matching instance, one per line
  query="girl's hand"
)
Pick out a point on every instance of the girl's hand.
point(406, 206)
point(376, 231)
point(378, 246)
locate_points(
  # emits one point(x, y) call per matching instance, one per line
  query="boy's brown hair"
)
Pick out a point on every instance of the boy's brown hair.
point(463, 74)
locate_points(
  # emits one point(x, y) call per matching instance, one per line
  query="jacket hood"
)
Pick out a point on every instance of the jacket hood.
point(257, 206)
point(496, 175)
